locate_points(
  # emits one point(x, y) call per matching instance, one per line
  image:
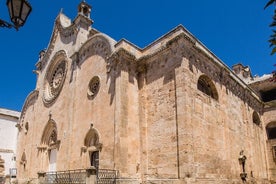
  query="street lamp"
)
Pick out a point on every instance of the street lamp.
point(19, 11)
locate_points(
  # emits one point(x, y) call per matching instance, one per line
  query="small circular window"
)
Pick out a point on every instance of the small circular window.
point(55, 77)
point(93, 87)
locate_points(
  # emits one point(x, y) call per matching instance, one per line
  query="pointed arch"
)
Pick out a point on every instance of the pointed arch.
point(49, 136)
point(92, 138)
point(99, 44)
point(92, 147)
point(206, 85)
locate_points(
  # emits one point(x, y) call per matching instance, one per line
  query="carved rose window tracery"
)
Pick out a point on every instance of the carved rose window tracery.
point(93, 87)
point(55, 77)
point(53, 138)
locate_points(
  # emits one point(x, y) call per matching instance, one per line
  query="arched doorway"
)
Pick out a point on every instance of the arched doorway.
point(93, 146)
point(49, 146)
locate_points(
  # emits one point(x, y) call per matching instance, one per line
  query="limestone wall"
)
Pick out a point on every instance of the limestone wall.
point(193, 137)
point(142, 111)
point(268, 118)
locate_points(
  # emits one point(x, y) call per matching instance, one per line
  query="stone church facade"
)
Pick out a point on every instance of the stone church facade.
point(171, 112)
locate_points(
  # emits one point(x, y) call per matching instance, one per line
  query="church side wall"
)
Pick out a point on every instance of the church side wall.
point(161, 120)
point(127, 133)
point(270, 117)
point(192, 137)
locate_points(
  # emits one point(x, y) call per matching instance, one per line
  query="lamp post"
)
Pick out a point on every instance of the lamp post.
point(19, 11)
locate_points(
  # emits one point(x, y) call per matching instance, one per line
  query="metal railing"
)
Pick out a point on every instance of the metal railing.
point(106, 176)
point(66, 177)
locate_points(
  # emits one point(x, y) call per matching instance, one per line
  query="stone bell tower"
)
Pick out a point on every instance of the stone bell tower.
point(83, 17)
point(84, 9)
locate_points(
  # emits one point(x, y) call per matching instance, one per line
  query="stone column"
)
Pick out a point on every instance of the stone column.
point(41, 176)
point(91, 175)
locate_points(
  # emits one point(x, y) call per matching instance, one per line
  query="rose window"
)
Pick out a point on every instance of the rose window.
point(54, 80)
point(93, 87)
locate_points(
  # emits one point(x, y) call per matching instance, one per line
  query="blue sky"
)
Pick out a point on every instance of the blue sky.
point(236, 31)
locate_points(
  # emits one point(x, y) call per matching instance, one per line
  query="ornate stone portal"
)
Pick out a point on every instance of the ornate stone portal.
point(92, 147)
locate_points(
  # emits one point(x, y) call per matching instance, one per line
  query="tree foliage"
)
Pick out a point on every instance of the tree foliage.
point(272, 39)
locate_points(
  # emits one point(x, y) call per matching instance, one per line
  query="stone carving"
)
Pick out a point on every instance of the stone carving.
point(242, 159)
point(55, 77)
point(96, 45)
point(93, 87)
point(49, 139)
point(92, 141)
point(53, 138)
point(68, 31)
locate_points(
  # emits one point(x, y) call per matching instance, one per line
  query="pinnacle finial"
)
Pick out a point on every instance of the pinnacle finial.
point(84, 9)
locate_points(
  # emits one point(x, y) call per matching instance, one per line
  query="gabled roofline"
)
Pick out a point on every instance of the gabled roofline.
point(164, 41)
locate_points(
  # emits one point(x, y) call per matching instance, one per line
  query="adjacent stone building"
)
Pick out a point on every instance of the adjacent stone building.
point(171, 112)
point(8, 143)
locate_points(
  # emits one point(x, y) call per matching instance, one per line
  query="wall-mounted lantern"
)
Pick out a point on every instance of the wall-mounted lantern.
point(19, 11)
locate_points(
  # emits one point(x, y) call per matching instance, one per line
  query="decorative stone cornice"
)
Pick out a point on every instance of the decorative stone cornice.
point(30, 100)
point(92, 32)
point(169, 43)
point(99, 44)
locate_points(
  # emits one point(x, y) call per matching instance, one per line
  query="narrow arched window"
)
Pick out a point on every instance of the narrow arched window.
point(256, 118)
point(271, 130)
point(205, 85)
